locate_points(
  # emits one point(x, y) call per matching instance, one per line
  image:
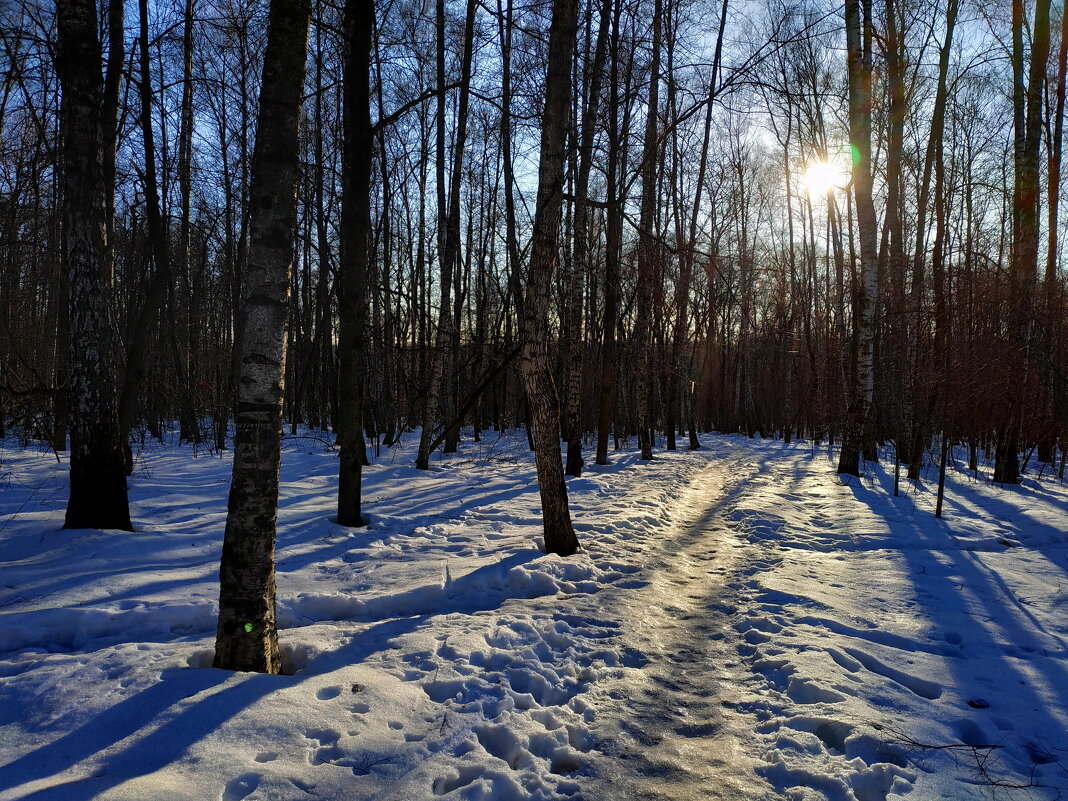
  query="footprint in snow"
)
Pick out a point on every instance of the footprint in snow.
point(241, 787)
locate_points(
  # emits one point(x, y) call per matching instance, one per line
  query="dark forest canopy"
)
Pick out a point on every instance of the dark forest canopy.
point(710, 266)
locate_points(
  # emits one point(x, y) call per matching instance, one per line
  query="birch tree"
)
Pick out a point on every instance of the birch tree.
point(858, 50)
point(535, 363)
point(247, 635)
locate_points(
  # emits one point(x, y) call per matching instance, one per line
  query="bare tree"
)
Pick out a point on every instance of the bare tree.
point(535, 364)
point(355, 254)
point(247, 635)
point(858, 47)
point(98, 496)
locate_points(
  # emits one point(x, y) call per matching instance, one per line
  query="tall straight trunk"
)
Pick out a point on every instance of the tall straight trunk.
point(98, 496)
point(1055, 159)
point(434, 406)
point(179, 330)
point(112, 89)
point(920, 408)
point(452, 236)
point(647, 247)
point(247, 634)
point(61, 409)
point(137, 351)
point(1051, 301)
point(613, 234)
point(388, 395)
point(355, 254)
point(892, 250)
point(580, 252)
point(322, 345)
point(1023, 270)
point(515, 286)
point(223, 374)
point(939, 286)
point(535, 364)
point(858, 47)
point(681, 365)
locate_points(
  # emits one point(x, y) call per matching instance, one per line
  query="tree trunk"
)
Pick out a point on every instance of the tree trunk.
point(189, 426)
point(858, 46)
point(98, 496)
point(613, 234)
point(921, 408)
point(580, 253)
point(247, 635)
point(535, 364)
point(1054, 160)
point(1027, 118)
point(436, 406)
point(110, 133)
point(647, 248)
point(450, 391)
point(137, 351)
point(355, 254)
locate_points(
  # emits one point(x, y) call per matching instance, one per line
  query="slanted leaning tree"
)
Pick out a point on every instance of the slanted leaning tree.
point(247, 635)
point(97, 468)
point(535, 365)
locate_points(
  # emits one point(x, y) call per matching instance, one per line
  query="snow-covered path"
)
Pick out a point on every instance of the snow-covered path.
point(740, 625)
point(670, 730)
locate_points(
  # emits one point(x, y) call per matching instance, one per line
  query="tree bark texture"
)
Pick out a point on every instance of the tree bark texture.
point(355, 255)
point(98, 496)
point(247, 635)
point(535, 365)
point(858, 46)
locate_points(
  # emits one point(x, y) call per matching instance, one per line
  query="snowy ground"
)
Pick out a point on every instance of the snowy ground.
point(741, 625)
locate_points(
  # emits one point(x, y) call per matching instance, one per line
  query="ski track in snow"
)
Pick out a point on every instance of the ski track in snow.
point(740, 625)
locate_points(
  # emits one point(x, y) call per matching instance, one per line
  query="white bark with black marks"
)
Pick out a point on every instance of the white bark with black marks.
point(247, 635)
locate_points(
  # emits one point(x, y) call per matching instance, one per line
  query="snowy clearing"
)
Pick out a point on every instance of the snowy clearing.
point(740, 625)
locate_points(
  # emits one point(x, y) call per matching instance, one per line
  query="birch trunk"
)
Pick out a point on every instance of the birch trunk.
point(535, 365)
point(858, 46)
point(247, 635)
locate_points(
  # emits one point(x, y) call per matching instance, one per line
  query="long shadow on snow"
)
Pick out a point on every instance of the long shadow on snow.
point(191, 723)
point(965, 578)
point(198, 719)
point(337, 541)
point(964, 501)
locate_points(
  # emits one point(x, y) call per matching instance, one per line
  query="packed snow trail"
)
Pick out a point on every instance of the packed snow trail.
point(808, 638)
point(670, 733)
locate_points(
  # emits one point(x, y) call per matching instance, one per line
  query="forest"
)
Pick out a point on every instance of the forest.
point(773, 219)
point(402, 230)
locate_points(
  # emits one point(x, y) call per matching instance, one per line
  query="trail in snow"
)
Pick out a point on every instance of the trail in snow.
point(670, 732)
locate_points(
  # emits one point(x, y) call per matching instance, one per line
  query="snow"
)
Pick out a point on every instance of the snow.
point(741, 624)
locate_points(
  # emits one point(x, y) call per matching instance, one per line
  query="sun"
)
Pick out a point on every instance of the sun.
point(823, 176)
